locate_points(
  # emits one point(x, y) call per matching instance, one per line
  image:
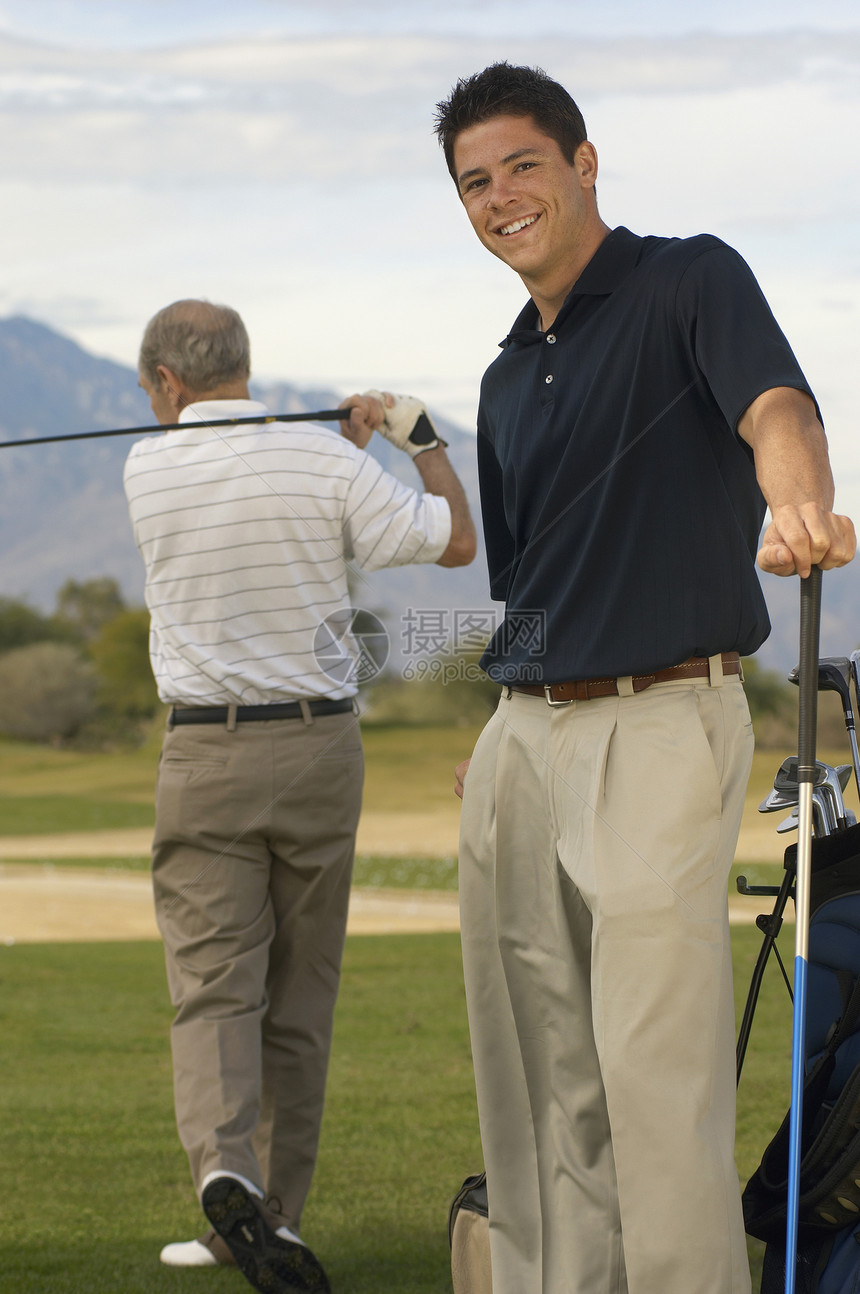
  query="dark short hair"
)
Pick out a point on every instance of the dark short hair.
point(505, 90)
point(202, 343)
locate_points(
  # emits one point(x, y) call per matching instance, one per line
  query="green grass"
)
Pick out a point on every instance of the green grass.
point(764, 1092)
point(95, 1181)
point(27, 769)
point(766, 1081)
point(115, 864)
point(386, 872)
point(407, 769)
point(372, 871)
point(44, 790)
point(412, 769)
point(42, 814)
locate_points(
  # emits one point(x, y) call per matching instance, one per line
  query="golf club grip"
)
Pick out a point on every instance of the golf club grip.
point(807, 711)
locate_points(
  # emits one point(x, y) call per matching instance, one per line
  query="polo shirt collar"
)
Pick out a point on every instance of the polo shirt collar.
point(203, 410)
point(614, 260)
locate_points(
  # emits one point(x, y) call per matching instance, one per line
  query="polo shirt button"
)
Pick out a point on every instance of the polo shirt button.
point(548, 378)
point(551, 338)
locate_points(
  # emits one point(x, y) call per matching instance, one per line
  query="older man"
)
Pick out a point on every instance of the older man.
point(247, 535)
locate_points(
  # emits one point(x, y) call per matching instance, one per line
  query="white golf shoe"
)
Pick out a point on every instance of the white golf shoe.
point(208, 1251)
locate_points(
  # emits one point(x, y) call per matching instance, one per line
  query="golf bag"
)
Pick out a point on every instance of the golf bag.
point(469, 1238)
point(829, 1194)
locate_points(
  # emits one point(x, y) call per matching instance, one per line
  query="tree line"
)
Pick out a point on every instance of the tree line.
point(80, 674)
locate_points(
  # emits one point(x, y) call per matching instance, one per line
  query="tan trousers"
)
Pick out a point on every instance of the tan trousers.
point(252, 860)
point(596, 842)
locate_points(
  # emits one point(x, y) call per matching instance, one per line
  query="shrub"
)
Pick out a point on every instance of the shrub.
point(47, 692)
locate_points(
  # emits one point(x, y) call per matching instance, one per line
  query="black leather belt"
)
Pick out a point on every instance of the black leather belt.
point(257, 713)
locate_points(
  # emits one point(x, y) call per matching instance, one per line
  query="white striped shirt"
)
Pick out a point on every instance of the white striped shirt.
point(246, 534)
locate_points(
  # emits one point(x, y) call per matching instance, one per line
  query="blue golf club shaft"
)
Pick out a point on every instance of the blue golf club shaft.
point(810, 619)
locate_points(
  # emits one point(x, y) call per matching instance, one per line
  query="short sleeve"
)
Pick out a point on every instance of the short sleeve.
point(737, 343)
point(388, 524)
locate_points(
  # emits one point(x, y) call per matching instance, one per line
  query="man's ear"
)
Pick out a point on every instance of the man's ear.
point(585, 162)
point(173, 387)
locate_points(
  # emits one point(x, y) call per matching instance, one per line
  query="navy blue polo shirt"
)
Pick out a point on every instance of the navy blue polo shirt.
point(621, 509)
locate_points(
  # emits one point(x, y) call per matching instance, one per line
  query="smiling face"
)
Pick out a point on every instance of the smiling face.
point(529, 206)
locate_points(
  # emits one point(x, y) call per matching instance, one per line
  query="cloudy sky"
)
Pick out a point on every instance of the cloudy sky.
point(280, 157)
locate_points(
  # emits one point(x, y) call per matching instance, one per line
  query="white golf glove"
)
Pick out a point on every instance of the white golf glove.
point(407, 424)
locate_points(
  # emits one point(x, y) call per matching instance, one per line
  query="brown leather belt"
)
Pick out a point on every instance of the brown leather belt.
point(588, 689)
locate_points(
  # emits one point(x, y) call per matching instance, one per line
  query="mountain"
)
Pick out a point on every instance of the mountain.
point(63, 512)
point(63, 509)
point(840, 616)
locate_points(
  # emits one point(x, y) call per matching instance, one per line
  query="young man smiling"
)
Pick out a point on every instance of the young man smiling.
point(529, 206)
point(644, 408)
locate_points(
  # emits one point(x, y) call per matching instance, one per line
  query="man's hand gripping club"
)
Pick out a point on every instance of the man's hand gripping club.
point(401, 419)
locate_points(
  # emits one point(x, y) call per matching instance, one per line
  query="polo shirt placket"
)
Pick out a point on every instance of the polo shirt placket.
point(618, 500)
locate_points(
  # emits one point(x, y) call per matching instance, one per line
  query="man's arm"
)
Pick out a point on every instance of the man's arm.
point(434, 468)
point(439, 477)
point(793, 471)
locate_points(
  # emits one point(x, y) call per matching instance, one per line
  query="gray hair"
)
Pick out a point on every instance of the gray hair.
point(203, 344)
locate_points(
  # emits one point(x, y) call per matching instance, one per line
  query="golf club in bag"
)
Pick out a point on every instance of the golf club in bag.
point(810, 619)
point(804, 1199)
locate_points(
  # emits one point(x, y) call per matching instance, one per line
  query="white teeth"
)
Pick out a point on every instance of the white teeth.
point(517, 224)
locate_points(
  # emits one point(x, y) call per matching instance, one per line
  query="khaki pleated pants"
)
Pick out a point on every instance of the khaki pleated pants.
point(252, 861)
point(596, 843)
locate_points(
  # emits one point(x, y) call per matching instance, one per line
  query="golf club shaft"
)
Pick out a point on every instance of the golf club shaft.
point(855, 754)
point(321, 415)
point(850, 724)
point(810, 617)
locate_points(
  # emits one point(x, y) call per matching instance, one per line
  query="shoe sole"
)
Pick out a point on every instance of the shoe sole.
point(271, 1264)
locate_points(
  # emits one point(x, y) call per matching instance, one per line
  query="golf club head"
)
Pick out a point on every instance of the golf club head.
point(855, 673)
point(834, 674)
point(822, 816)
point(830, 783)
point(786, 775)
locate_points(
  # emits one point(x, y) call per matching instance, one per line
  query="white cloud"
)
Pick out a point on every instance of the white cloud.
point(267, 107)
point(148, 23)
point(299, 180)
point(751, 157)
